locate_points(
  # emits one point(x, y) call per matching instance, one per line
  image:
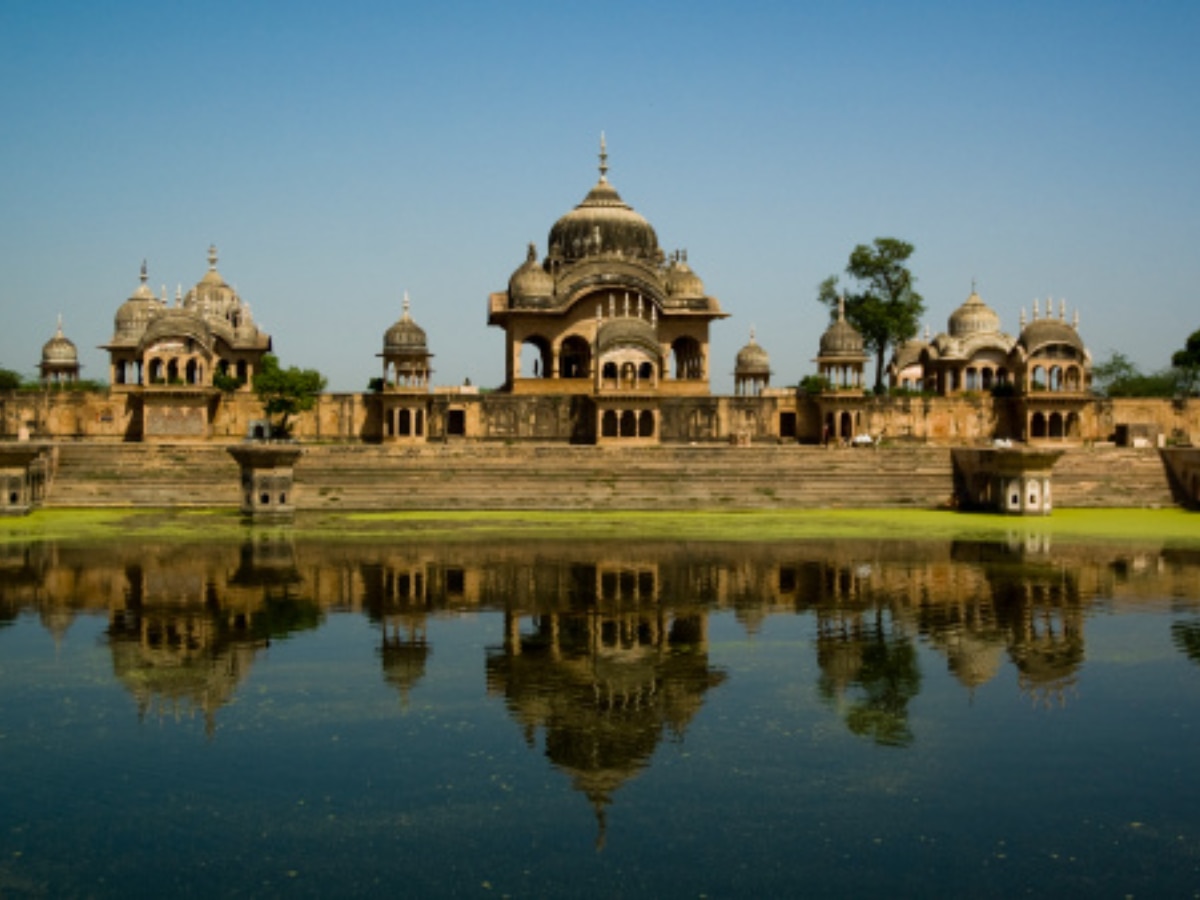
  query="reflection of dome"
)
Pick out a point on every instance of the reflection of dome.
point(753, 359)
point(406, 336)
point(841, 338)
point(627, 331)
point(531, 281)
point(682, 282)
point(134, 314)
point(603, 223)
point(973, 317)
point(59, 350)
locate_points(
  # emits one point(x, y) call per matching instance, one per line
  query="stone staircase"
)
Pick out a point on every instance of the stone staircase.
point(490, 476)
point(96, 474)
point(557, 476)
point(1112, 476)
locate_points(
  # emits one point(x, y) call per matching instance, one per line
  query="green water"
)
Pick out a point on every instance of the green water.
point(286, 716)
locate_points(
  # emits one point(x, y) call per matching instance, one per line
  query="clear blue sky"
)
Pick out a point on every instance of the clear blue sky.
point(341, 154)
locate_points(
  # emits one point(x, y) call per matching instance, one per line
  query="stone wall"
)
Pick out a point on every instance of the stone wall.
point(355, 417)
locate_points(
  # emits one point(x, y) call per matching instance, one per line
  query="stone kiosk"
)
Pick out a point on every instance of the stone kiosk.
point(267, 479)
point(22, 477)
point(1005, 479)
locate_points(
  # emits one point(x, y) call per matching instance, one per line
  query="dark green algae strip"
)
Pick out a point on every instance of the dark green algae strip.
point(1176, 527)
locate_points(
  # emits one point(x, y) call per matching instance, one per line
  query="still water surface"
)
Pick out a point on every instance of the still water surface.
point(650, 720)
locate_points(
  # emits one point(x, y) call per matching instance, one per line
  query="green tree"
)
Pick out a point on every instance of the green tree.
point(883, 305)
point(9, 380)
point(1119, 377)
point(1186, 363)
point(286, 392)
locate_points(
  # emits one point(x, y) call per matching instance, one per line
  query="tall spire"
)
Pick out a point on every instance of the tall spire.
point(603, 158)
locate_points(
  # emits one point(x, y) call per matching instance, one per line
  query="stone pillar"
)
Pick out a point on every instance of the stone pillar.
point(267, 480)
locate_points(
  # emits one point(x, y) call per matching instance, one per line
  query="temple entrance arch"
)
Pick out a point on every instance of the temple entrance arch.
point(536, 358)
point(574, 358)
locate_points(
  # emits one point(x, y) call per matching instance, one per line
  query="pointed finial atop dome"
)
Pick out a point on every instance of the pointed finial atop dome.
point(1075, 319)
point(841, 308)
point(58, 331)
point(144, 274)
point(1022, 317)
point(752, 334)
point(603, 158)
point(1035, 308)
point(407, 306)
point(212, 257)
point(1062, 309)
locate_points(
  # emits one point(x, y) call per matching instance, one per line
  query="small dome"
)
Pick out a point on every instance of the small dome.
point(841, 338)
point(628, 331)
point(682, 282)
point(59, 350)
point(753, 359)
point(973, 317)
point(135, 313)
point(603, 223)
point(406, 336)
point(530, 281)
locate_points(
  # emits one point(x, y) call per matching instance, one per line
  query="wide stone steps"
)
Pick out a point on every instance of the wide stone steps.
point(543, 476)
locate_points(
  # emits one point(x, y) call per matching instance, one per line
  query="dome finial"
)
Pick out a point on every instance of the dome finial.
point(603, 158)
point(407, 307)
point(212, 257)
point(752, 334)
point(144, 272)
point(841, 308)
point(58, 332)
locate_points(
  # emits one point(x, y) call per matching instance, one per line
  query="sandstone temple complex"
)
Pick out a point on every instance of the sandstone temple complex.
point(606, 343)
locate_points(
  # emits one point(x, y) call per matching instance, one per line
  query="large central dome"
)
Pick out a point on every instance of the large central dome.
point(603, 224)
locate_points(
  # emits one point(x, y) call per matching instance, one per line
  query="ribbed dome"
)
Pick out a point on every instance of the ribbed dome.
point(752, 359)
point(530, 281)
point(135, 313)
point(841, 338)
point(681, 281)
point(973, 317)
point(177, 323)
point(603, 223)
point(628, 331)
point(1044, 332)
point(406, 336)
point(59, 350)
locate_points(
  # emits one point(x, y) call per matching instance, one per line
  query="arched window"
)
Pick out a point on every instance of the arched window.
point(1056, 378)
point(535, 358)
point(689, 363)
point(646, 372)
point(646, 424)
point(1038, 378)
point(608, 424)
point(1037, 425)
point(575, 358)
point(405, 428)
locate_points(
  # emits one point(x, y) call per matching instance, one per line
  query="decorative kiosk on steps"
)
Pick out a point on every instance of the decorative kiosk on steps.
point(1009, 480)
point(1183, 464)
point(267, 479)
point(22, 477)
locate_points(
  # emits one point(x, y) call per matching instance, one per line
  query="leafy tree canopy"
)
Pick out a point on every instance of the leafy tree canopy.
point(9, 380)
point(882, 303)
point(286, 392)
point(1117, 376)
point(1186, 363)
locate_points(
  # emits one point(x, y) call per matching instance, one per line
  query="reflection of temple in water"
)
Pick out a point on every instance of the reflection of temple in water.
point(184, 638)
point(187, 621)
point(604, 680)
